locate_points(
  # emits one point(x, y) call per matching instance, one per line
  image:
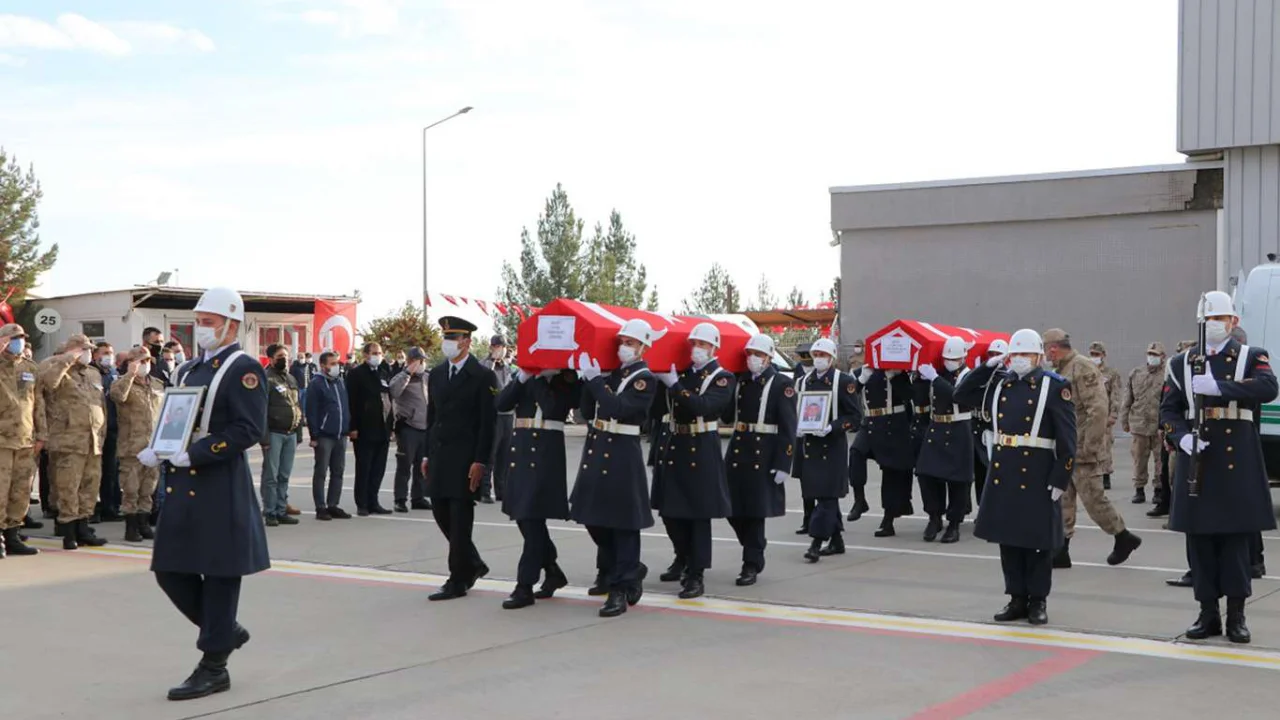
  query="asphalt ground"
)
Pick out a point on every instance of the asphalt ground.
point(896, 628)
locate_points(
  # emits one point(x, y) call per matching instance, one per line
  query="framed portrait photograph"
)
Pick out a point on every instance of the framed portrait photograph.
point(814, 412)
point(177, 420)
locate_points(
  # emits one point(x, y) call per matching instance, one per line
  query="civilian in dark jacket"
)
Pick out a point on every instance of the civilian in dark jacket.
point(369, 393)
point(328, 423)
point(280, 442)
point(109, 496)
point(409, 391)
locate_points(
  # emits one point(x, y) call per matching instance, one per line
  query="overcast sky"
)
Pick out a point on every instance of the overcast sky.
point(275, 144)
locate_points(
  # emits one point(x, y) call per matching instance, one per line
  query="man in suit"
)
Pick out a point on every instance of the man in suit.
point(461, 417)
point(369, 397)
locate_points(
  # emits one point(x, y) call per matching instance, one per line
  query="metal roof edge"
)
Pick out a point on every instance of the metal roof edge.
point(1035, 177)
point(196, 292)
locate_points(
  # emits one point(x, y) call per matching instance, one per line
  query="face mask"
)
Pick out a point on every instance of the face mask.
point(375, 360)
point(626, 354)
point(1153, 360)
point(700, 356)
point(953, 365)
point(1021, 365)
point(16, 346)
point(497, 354)
point(85, 357)
point(179, 358)
point(107, 361)
point(400, 361)
point(143, 370)
point(1216, 331)
point(450, 349)
point(207, 338)
point(857, 350)
point(1096, 361)
point(333, 371)
point(821, 364)
point(279, 364)
point(755, 364)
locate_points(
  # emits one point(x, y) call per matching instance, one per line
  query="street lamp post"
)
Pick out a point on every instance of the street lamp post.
point(425, 300)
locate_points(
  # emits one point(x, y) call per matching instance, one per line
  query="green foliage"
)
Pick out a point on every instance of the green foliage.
point(717, 295)
point(21, 261)
point(833, 293)
point(401, 330)
point(612, 274)
point(25, 315)
point(765, 299)
point(796, 298)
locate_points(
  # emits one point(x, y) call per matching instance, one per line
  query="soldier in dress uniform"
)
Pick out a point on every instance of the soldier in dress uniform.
point(461, 417)
point(535, 482)
point(210, 534)
point(803, 366)
point(1032, 456)
point(945, 462)
point(611, 495)
point(1115, 390)
point(1230, 381)
point(821, 460)
point(982, 420)
point(22, 435)
point(689, 485)
point(886, 437)
point(760, 453)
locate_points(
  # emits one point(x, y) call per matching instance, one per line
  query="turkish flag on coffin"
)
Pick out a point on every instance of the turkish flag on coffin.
point(908, 344)
point(554, 337)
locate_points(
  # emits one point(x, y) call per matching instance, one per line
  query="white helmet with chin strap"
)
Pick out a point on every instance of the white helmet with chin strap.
point(222, 301)
point(760, 343)
point(997, 347)
point(637, 330)
point(1217, 303)
point(1026, 341)
point(823, 345)
point(706, 332)
point(955, 349)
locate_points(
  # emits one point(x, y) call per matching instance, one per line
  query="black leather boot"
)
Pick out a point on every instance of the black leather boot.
point(635, 590)
point(748, 576)
point(674, 572)
point(15, 546)
point(860, 505)
point(1015, 610)
point(3, 549)
point(694, 587)
point(1208, 625)
point(144, 527)
point(814, 553)
point(131, 533)
point(1237, 630)
point(1106, 481)
point(932, 529)
point(886, 528)
point(1126, 543)
point(1037, 611)
point(209, 677)
point(835, 546)
point(615, 605)
point(1139, 497)
point(554, 580)
point(601, 587)
point(68, 534)
point(952, 535)
point(1062, 559)
point(86, 536)
point(521, 597)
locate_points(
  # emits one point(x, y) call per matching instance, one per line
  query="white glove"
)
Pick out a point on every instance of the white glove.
point(1185, 443)
point(522, 376)
point(148, 458)
point(588, 368)
point(997, 360)
point(865, 375)
point(824, 431)
point(1055, 493)
point(780, 477)
point(927, 372)
point(1205, 385)
point(988, 438)
point(669, 378)
point(182, 459)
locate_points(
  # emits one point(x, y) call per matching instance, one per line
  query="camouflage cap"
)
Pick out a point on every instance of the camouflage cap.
point(1054, 335)
point(1097, 347)
point(1186, 344)
point(12, 330)
point(77, 342)
point(1156, 348)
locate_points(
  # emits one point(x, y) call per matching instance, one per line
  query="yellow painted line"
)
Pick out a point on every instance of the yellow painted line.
point(1144, 647)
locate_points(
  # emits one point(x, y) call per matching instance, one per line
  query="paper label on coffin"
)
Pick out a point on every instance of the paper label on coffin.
point(896, 348)
point(555, 332)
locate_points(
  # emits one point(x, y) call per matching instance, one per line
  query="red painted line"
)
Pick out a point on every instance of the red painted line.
point(996, 690)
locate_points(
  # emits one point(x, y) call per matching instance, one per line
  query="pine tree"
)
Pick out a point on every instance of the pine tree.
point(796, 299)
point(717, 295)
point(21, 260)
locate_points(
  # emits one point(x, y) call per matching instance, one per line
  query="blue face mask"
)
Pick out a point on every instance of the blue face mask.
point(17, 345)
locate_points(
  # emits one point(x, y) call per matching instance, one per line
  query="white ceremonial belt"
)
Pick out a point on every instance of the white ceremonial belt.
point(758, 428)
point(614, 427)
point(880, 412)
point(532, 424)
point(1025, 441)
point(957, 417)
point(1228, 413)
point(697, 428)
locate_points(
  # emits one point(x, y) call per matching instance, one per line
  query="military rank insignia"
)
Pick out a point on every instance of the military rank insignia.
point(853, 388)
point(1066, 394)
point(722, 382)
point(249, 381)
point(1070, 462)
point(789, 392)
point(218, 447)
point(641, 385)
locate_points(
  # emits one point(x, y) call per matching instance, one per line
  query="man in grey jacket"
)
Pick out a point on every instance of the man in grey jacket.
point(409, 392)
point(494, 481)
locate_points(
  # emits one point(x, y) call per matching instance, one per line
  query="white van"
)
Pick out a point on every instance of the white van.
point(1258, 302)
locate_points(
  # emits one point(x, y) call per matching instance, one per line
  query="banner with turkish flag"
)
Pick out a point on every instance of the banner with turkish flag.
point(335, 327)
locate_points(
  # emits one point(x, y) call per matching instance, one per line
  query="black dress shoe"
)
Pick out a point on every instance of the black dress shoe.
point(338, 513)
point(748, 577)
point(1184, 581)
point(361, 512)
point(379, 510)
point(674, 571)
point(1207, 625)
point(932, 529)
point(285, 519)
point(814, 553)
point(402, 507)
point(242, 636)
point(421, 505)
point(1139, 497)
point(486, 500)
point(481, 571)
point(615, 605)
point(448, 591)
point(859, 507)
point(1015, 610)
point(1237, 630)
point(1160, 510)
point(952, 534)
point(834, 547)
point(693, 588)
point(521, 597)
point(551, 582)
point(1037, 612)
point(635, 591)
point(886, 528)
point(1126, 543)
point(210, 677)
point(804, 530)
point(323, 515)
point(600, 588)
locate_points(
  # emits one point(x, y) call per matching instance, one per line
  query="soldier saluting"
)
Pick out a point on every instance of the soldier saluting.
point(1033, 450)
point(1230, 381)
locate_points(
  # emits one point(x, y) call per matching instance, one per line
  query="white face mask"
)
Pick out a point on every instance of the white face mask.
point(498, 353)
point(626, 354)
point(144, 370)
point(85, 357)
point(375, 360)
point(1215, 331)
point(334, 371)
point(755, 364)
point(179, 358)
point(953, 365)
point(1153, 360)
point(450, 349)
point(1021, 365)
point(107, 361)
point(207, 338)
point(1096, 360)
point(700, 356)
point(821, 364)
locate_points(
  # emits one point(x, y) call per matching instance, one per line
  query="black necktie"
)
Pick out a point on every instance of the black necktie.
point(453, 371)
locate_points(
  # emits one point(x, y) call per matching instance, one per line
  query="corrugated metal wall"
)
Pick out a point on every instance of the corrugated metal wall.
point(1124, 280)
point(1228, 74)
point(1251, 206)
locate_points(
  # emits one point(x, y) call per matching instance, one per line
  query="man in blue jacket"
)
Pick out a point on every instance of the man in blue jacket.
point(328, 422)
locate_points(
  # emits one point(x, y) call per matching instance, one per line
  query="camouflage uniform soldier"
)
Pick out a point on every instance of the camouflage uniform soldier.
point(22, 433)
point(1140, 417)
point(1092, 414)
point(857, 359)
point(138, 396)
point(77, 417)
point(1115, 390)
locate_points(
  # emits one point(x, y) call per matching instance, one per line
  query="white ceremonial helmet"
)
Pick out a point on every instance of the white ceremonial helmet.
point(1026, 341)
point(637, 330)
point(760, 343)
point(823, 345)
point(955, 349)
point(998, 347)
point(222, 301)
point(706, 332)
point(1217, 303)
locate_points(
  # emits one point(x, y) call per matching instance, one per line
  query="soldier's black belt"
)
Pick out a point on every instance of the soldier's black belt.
point(757, 428)
point(532, 424)
point(881, 412)
point(957, 417)
point(614, 427)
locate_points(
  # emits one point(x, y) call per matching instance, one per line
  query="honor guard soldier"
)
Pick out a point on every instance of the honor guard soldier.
point(1033, 422)
point(536, 489)
point(945, 463)
point(982, 419)
point(803, 366)
point(210, 533)
point(1221, 499)
point(461, 417)
point(760, 453)
point(886, 437)
point(22, 435)
point(77, 416)
point(689, 486)
point(611, 495)
point(821, 462)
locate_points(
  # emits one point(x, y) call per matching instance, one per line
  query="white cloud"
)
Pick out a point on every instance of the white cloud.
point(161, 37)
point(12, 60)
point(76, 32)
point(89, 35)
point(354, 18)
